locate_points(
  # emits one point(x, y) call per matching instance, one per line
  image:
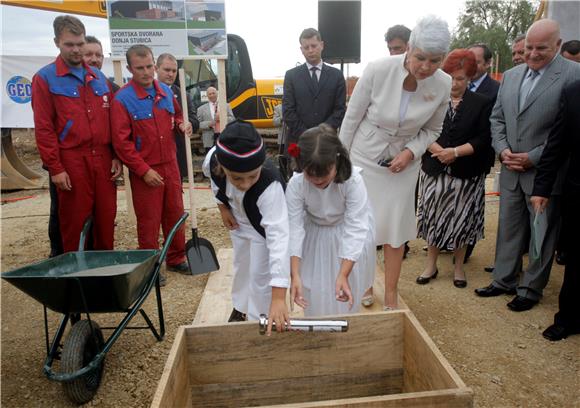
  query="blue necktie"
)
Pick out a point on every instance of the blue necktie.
point(527, 86)
point(472, 86)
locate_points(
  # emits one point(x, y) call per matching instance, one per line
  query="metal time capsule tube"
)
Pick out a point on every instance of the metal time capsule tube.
point(306, 325)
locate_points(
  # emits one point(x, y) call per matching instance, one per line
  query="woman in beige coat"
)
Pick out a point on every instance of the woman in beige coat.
point(396, 111)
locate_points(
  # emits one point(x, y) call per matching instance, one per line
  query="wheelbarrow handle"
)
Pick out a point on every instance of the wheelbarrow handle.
point(169, 238)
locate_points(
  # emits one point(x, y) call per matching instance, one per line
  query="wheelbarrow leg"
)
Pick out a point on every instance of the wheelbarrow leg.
point(52, 350)
point(159, 336)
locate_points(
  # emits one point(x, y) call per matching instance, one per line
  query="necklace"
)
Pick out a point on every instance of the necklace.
point(455, 102)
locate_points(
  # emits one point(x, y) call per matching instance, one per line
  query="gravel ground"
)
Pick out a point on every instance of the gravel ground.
point(499, 353)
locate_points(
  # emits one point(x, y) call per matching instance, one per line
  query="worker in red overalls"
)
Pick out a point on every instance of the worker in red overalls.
point(145, 115)
point(71, 104)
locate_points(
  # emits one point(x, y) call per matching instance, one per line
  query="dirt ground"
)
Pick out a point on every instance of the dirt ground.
point(500, 354)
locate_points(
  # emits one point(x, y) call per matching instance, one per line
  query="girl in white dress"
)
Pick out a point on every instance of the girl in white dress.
point(332, 242)
point(252, 204)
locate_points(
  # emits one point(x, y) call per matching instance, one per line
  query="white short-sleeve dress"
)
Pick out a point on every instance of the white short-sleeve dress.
point(326, 226)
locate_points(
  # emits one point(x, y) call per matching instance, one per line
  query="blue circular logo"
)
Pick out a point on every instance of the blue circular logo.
point(19, 89)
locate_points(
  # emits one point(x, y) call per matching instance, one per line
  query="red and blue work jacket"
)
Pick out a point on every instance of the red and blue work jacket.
point(70, 112)
point(144, 126)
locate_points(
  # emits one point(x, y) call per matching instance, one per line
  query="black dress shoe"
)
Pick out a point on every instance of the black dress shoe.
point(237, 316)
point(489, 268)
point(521, 304)
point(556, 332)
point(423, 281)
point(491, 290)
point(561, 258)
point(460, 283)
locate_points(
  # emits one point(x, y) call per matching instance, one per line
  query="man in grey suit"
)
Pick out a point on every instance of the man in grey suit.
point(209, 120)
point(526, 108)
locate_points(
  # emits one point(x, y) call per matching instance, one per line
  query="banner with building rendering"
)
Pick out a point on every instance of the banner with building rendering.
point(188, 29)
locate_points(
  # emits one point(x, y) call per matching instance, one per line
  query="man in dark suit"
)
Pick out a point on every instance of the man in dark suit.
point(314, 92)
point(564, 140)
point(527, 106)
point(482, 83)
point(166, 69)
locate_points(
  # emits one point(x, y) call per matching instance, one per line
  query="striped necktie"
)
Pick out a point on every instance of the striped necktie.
point(527, 86)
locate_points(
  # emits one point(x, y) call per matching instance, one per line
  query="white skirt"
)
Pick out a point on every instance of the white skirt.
point(320, 267)
point(392, 198)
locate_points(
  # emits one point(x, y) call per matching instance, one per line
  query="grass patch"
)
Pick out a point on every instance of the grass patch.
point(191, 24)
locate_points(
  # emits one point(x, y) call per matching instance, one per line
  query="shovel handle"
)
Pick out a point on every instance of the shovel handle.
point(187, 149)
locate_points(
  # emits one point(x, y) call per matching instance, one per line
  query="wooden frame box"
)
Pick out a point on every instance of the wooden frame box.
point(384, 359)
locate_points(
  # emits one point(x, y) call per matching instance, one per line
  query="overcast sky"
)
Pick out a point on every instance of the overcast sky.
point(269, 27)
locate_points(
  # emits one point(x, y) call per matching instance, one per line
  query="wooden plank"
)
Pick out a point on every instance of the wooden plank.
point(215, 305)
point(304, 389)
point(422, 356)
point(237, 353)
point(173, 388)
point(430, 399)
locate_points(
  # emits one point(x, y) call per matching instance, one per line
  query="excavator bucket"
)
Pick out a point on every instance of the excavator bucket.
point(15, 174)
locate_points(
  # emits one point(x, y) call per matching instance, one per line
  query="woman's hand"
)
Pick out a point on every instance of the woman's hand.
point(445, 156)
point(228, 218)
point(278, 311)
point(401, 161)
point(342, 290)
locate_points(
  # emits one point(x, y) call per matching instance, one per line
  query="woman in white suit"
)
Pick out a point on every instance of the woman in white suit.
point(396, 111)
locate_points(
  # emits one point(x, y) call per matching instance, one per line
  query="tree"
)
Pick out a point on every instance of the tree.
point(495, 23)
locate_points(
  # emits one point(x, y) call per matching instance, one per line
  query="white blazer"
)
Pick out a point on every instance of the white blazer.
point(373, 111)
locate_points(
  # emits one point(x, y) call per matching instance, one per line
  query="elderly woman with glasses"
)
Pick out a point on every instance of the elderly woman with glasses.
point(452, 178)
point(396, 111)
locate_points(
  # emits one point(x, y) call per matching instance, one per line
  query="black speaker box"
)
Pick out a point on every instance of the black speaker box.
point(339, 24)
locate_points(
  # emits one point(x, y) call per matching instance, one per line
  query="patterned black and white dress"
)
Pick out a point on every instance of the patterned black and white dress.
point(450, 210)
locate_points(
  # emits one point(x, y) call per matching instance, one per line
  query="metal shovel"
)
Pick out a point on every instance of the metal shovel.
point(200, 253)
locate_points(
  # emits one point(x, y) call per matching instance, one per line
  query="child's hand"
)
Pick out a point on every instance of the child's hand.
point(296, 294)
point(228, 218)
point(342, 288)
point(278, 311)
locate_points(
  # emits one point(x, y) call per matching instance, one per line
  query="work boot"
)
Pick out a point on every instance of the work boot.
point(181, 268)
point(162, 279)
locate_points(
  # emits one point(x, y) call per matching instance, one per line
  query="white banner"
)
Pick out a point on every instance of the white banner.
point(17, 73)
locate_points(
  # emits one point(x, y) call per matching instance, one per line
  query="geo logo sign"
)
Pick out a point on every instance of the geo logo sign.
point(19, 89)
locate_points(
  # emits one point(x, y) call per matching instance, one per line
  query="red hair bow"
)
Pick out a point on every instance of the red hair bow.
point(294, 150)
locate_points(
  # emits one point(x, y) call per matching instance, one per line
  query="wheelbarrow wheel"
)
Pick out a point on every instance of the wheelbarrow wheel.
point(79, 348)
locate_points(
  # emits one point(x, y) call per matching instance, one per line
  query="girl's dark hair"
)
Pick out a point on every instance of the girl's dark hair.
point(320, 148)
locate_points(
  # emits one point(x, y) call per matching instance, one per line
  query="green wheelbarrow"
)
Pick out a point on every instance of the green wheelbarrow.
point(78, 284)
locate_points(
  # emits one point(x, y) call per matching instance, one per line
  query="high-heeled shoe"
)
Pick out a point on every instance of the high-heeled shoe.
point(460, 283)
point(421, 280)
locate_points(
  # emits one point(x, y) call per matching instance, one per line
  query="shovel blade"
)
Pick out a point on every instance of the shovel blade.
point(201, 256)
